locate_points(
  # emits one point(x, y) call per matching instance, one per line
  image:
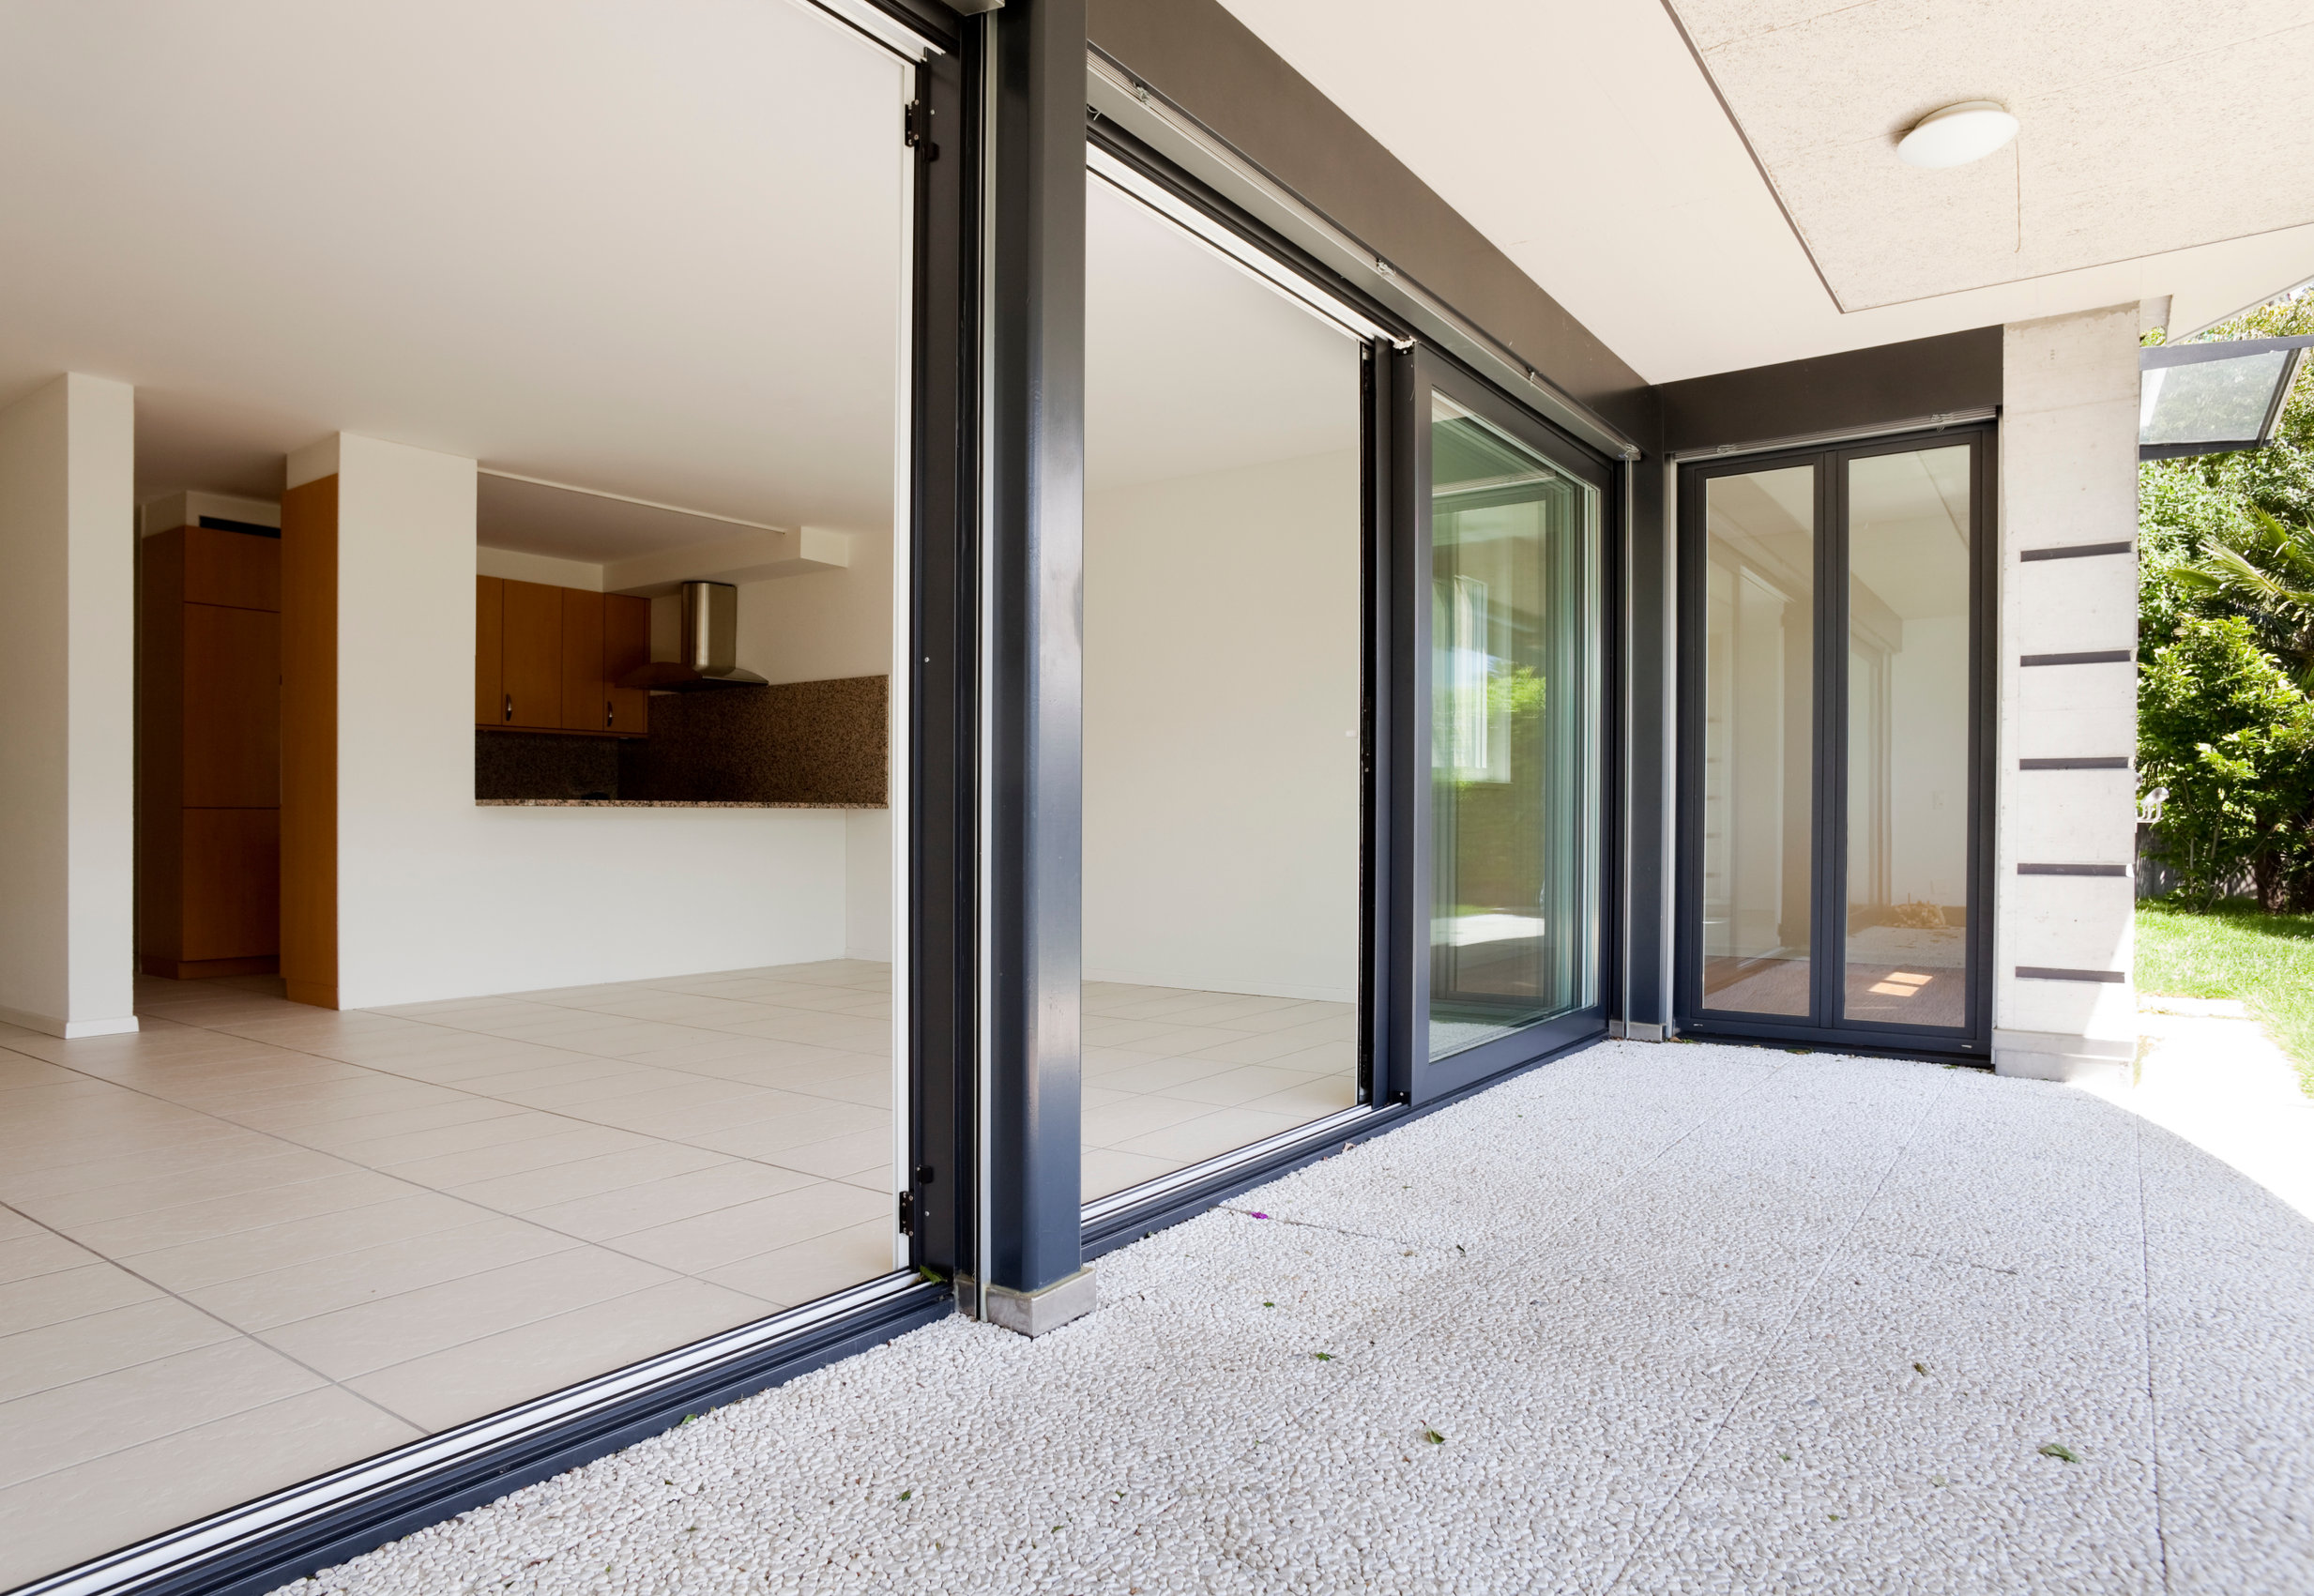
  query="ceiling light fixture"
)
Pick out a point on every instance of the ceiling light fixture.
point(1958, 134)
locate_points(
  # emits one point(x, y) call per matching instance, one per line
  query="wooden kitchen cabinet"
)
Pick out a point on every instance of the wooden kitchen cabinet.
point(531, 656)
point(626, 647)
point(584, 706)
point(489, 645)
point(208, 788)
point(546, 659)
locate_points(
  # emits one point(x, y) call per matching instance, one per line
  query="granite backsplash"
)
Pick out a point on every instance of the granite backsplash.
point(805, 742)
point(791, 742)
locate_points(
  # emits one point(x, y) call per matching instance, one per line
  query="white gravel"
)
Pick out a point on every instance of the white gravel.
point(1688, 1318)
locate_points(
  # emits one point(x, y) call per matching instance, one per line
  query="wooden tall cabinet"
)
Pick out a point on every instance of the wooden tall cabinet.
point(209, 753)
point(546, 659)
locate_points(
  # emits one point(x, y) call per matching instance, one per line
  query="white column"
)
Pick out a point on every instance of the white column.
point(68, 717)
point(2068, 480)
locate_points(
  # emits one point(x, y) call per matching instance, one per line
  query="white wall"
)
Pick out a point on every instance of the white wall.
point(67, 720)
point(824, 625)
point(2068, 475)
point(1220, 712)
point(440, 898)
point(1928, 762)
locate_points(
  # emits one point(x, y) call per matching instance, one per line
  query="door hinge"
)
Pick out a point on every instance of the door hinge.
point(916, 128)
point(908, 1213)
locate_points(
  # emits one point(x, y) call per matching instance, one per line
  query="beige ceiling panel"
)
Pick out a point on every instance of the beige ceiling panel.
point(2142, 120)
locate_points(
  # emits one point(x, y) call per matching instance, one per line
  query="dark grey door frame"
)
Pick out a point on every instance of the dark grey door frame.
point(1403, 1056)
point(1828, 804)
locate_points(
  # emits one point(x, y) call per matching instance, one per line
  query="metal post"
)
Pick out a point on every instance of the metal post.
point(1032, 648)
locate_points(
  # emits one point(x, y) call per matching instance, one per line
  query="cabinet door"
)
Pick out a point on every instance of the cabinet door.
point(488, 640)
point(233, 883)
point(532, 655)
point(626, 647)
point(583, 708)
point(232, 707)
point(238, 569)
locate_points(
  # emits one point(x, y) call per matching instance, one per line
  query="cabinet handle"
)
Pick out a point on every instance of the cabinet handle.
point(610, 714)
point(510, 707)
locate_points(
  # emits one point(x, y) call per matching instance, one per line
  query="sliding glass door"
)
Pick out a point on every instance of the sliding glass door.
point(1507, 719)
point(1833, 770)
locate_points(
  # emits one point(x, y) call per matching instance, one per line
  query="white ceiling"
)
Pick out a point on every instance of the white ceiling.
point(536, 518)
point(1584, 140)
point(649, 249)
point(1191, 365)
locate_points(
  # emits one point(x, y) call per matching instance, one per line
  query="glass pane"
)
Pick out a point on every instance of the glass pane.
point(1758, 732)
point(1907, 739)
point(1513, 677)
point(1224, 637)
point(2210, 400)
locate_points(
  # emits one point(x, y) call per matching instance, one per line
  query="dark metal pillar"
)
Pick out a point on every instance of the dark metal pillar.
point(1033, 329)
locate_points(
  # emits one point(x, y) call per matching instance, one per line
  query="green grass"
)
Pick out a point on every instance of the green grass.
point(2233, 951)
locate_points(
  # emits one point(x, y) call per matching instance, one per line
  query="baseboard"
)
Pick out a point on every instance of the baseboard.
point(70, 1030)
point(206, 969)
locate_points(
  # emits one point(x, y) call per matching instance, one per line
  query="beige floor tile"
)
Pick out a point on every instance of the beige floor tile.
point(411, 1324)
point(522, 1190)
point(767, 1139)
point(665, 1201)
point(13, 1225)
point(1223, 1131)
point(1121, 1122)
point(278, 1166)
point(67, 1424)
point(19, 1071)
point(1320, 1096)
point(1260, 1047)
point(223, 1216)
point(267, 1248)
point(40, 1252)
point(68, 1294)
point(843, 1032)
point(694, 1246)
point(845, 1158)
point(563, 1097)
point(100, 1342)
point(62, 1518)
point(679, 1115)
point(371, 1274)
point(466, 1382)
point(791, 1276)
point(1107, 1170)
point(216, 1143)
point(1161, 1074)
point(1241, 1084)
point(334, 1130)
point(579, 1142)
point(473, 1136)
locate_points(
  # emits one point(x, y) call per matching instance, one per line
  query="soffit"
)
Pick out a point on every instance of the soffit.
point(1586, 142)
point(2148, 127)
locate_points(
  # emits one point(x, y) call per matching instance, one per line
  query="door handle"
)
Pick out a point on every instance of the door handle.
point(510, 707)
point(610, 713)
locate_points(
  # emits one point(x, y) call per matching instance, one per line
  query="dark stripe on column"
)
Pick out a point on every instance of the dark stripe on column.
point(2072, 870)
point(2094, 657)
point(2076, 551)
point(2100, 762)
point(2037, 972)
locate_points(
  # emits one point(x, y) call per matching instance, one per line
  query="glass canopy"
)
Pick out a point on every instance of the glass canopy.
point(2208, 398)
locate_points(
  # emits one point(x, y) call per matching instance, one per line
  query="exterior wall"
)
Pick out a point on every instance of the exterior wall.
point(2068, 476)
point(438, 898)
point(68, 751)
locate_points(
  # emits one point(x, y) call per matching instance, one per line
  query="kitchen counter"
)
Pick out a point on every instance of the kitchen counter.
point(656, 803)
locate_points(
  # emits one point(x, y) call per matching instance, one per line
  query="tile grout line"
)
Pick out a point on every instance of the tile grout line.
point(235, 1329)
point(1799, 1300)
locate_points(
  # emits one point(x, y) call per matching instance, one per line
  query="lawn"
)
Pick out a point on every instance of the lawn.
point(2233, 951)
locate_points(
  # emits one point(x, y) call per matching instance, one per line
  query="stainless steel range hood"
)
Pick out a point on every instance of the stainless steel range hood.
point(710, 641)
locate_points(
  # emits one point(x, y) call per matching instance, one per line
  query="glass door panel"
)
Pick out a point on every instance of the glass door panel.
point(1758, 741)
point(1907, 766)
point(1513, 716)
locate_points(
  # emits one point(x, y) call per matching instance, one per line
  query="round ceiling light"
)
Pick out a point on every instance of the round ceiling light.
point(1958, 134)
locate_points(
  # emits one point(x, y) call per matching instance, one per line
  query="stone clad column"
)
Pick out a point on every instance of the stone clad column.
point(2065, 1006)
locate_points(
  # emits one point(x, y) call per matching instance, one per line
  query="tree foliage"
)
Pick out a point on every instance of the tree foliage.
point(2225, 730)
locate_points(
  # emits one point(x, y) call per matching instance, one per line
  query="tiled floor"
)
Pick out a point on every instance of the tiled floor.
point(256, 1240)
point(1174, 1076)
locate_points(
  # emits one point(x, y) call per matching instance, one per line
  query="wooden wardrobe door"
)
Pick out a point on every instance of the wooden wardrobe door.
point(583, 708)
point(626, 647)
point(532, 652)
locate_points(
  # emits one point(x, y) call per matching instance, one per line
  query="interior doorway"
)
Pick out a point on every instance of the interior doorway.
point(1833, 767)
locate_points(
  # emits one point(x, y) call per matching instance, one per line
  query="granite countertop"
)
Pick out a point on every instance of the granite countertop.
point(656, 803)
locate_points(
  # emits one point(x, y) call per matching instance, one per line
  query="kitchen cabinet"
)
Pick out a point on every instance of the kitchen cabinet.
point(531, 656)
point(208, 787)
point(545, 658)
point(626, 647)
